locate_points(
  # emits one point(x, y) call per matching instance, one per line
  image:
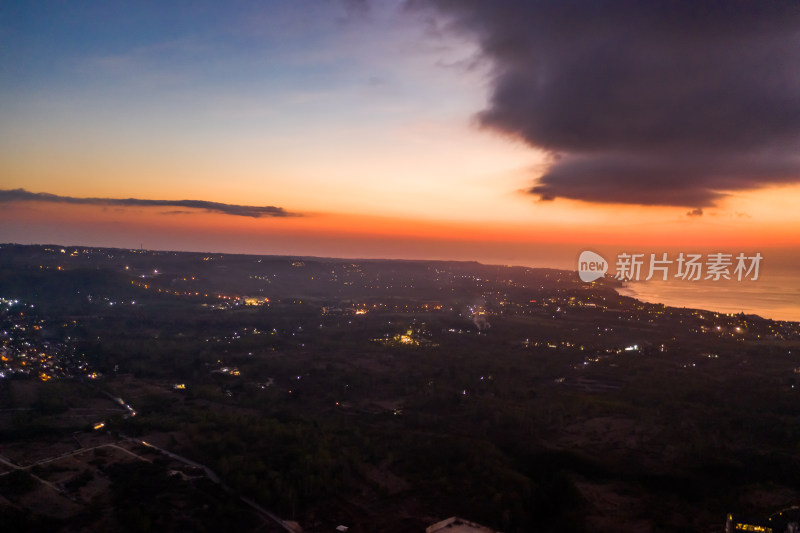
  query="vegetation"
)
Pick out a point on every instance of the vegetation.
point(402, 413)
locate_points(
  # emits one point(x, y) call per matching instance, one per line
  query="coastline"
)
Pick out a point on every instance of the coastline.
point(777, 298)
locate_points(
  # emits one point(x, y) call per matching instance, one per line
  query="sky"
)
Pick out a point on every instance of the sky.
point(505, 132)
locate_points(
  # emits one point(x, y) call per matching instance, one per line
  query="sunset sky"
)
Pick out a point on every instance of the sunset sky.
point(507, 132)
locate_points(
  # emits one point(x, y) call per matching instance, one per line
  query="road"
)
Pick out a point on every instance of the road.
point(129, 412)
point(7, 462)
point(215, 478)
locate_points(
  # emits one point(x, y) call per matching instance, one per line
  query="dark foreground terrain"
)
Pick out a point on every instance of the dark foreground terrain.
point(155, 391)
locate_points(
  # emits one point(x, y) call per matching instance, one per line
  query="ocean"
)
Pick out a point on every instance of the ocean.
point(773, 296)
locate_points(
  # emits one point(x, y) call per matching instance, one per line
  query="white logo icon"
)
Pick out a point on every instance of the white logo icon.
point(591, 266)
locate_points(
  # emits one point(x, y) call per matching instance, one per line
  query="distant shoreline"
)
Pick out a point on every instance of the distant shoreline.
point(775, 299)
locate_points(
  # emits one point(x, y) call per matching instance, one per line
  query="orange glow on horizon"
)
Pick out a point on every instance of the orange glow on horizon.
point(653, 231)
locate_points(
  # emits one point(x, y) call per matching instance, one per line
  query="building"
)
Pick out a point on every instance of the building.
point(455, 524)
point(784, 521)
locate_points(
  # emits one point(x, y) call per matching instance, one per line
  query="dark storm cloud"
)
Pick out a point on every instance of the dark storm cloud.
point(21, 195)
point(656, 102)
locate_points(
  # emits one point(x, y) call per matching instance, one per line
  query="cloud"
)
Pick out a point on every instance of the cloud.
point(656, 103)
point(21, 195)
point(696, 212)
